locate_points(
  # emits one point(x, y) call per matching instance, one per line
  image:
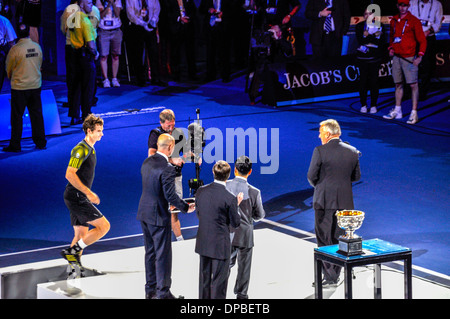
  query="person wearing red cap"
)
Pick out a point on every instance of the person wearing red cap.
point(405, 35)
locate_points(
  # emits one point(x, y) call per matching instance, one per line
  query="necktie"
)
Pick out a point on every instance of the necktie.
point(328, 24)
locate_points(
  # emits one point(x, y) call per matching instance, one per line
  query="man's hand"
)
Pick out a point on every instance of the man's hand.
point(240, 197)
point(178, 161)
point(191, 207)
point(325, 12)
point(417, 60)
point(93, 197)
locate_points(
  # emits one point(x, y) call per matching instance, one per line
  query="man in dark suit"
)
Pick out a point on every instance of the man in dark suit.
point(251, 208)
point(334, 166)
point(217, 210)
point(330, 22)
point(158, 189)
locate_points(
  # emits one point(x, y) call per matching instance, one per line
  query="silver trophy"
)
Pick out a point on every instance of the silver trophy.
point(350, 244)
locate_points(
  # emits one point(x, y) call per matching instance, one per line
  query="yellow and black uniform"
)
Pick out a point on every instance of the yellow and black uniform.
point(81, 31)
point(23, 67)
point(84, 159)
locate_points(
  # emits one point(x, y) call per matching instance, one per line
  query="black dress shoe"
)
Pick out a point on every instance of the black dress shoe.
point(11, 149)
point(159, 83)
point(38, 147)
point(76, 120)
point(327, 283)
point(150, 295)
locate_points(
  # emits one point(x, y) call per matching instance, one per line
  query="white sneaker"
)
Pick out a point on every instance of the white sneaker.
point(115, 82)
point(363, 109)
point(413, 118)
point(106, 83)
point(373, 110)
point(393, 114)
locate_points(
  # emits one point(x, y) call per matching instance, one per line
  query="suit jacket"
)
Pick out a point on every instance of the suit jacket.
point(251, 208)
point(341, 17)
point(217, 210)
point(333, 168)
point(173, 13)
point(158, 189)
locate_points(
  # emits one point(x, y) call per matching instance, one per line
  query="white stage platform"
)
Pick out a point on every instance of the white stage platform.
point(282, 268)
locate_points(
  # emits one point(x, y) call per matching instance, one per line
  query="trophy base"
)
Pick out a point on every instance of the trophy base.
point(350, 246)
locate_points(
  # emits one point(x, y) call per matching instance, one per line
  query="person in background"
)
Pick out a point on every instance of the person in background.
point(23, 68)
point(406, 35)
point(330, 22)
point(110, 39)
point(7, 38)
point(429, 12)
point(370, 37)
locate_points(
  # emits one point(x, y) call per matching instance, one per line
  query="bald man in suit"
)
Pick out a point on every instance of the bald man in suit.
point(158, 189)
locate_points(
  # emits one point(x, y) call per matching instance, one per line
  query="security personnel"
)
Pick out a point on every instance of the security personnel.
point(82, 39)
point(23, 68)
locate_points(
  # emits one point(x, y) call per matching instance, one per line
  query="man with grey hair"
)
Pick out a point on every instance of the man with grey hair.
point(334, 166)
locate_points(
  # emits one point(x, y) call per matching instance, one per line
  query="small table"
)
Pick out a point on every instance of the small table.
point(375, 251)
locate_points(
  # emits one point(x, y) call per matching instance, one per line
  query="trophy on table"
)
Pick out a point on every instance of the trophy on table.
point(350, 244)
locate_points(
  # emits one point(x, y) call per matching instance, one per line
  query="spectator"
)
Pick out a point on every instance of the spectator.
point(7, 38)
point(430, 15)
point(370, 37)
point(110, 38)
point(405, 36)
point(330, 22)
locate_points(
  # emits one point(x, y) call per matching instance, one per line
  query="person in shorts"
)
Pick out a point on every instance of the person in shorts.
point(405, 35)
point(110, 38)
point(78, 196)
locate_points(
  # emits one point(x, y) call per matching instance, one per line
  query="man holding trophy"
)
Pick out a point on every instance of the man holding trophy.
point(334, 166)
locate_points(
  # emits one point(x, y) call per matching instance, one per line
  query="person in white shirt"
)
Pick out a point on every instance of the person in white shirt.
point(7, 38)
point(430, 14)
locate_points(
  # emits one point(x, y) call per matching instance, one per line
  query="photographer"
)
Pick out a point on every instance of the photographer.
point(167, 121)
point(267, 48)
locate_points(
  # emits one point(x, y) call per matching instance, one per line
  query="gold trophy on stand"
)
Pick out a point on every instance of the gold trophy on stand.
point(350, 244)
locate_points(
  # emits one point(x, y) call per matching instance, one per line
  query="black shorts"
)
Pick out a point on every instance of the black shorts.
point(81, 209)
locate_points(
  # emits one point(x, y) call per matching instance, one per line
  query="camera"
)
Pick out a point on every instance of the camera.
point(197, 143)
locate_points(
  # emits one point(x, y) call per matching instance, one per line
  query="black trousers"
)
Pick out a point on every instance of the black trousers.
point(368, 72)
point(80, 80)
point(3, 53)
point(218, 51)
point(138, 40)
point(20, 99)
point(158, 259)
point(243, 256)
point(327, 233)
point(213, 278)
point(427, 67)
point(183, 39)
point(331, 46)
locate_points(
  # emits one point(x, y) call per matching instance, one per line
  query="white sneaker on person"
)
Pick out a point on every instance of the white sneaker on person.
point(413, 118)
point(373, 110)
point(106, 83)
point(115, 83)
point(363, 109)
point(393, 114)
